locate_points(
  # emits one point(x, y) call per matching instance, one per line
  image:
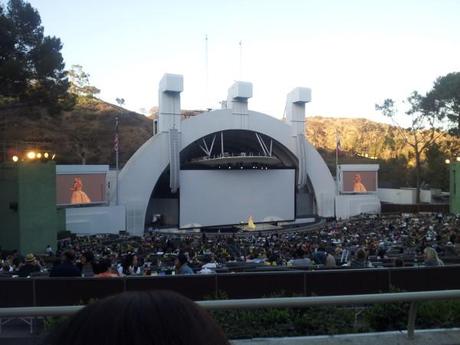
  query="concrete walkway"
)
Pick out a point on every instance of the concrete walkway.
point(422, 337)
point(22, 336)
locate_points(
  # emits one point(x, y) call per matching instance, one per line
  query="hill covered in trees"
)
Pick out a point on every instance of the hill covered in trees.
point(86, 135)
point(83, 135)
point(365, 141)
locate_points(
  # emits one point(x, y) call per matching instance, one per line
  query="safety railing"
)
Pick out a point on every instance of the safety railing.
point(283, 302)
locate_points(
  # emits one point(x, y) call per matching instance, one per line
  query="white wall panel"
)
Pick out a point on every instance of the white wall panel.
point(220, 197)
point(95, 220)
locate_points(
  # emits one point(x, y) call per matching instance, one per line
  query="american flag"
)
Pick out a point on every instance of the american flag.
point(338, 144)
point(115, 140)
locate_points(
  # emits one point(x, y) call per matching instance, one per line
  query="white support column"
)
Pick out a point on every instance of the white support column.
point(295, 115)
point(171, 85)
point(237, 100)
point(295, 109)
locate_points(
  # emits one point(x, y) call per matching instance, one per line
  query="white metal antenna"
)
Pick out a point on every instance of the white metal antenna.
point(206, 71)
point(241, 58)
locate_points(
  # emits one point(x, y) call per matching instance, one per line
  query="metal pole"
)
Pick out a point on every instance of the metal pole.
point(295, 302)
point(336, 163)
point(206, 63)
point(5, 125)
point(241, 57)
point(285, 302)
point(222, 143)
point(116, 156)
point(411, 320)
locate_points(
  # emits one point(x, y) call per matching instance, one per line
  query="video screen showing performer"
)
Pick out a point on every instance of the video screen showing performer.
point(78, 195)
point(73, 189)
point(359, 181)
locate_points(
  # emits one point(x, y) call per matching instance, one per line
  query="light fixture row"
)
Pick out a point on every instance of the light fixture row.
point(34, 155)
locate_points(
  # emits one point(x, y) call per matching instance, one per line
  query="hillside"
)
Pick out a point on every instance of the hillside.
point(83, 135)
point(357, 136)
point(86, 135)
point(362, 137)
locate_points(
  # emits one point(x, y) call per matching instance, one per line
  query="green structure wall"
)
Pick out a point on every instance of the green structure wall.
point(29, 218)
point(9, 220)
point(454, 202)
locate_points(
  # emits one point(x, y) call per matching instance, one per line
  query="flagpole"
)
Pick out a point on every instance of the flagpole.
point(337, 162)
point(116, 156)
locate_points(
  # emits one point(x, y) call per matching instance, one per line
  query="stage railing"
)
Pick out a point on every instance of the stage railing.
point(284, 302)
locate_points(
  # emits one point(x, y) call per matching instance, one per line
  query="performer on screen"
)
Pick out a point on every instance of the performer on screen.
point(357, 185)
point(78, 195)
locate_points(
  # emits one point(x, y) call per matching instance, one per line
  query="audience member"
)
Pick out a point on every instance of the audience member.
point(86, 264)
point(299, 261)
point(66, 268)
point(360, 260)
point(330, 261)
point(431, 257)
point(105, 267)
point(130, 266)
point(181, 265)
point(30, 266)
point(140, 318)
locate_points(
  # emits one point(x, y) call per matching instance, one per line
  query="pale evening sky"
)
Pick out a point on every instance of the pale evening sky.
point(352, 53)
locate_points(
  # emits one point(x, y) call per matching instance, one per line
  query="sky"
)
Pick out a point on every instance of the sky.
point(352, 54)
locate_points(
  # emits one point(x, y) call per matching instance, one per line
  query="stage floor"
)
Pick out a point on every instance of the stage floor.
point(297, 225)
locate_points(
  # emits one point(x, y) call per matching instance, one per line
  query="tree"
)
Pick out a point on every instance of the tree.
point(79, 83)
point(437, 172)
point(444, 100)
point(393, 145)
point(120, 101)
point(318, 135)
point(394, 172)
point(422, 130)
point(31, 64)
point(12, 76)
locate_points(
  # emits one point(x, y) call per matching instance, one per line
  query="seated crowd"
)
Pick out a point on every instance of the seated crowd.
point(362, 242)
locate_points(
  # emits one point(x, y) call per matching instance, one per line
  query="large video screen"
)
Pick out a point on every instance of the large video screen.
point(224, 197)
point(359, 181)
point(78, 189)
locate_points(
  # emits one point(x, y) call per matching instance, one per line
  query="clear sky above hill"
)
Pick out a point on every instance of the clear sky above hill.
point(352, 53)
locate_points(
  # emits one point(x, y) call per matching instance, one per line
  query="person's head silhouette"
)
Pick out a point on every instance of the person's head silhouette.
point(140, 318)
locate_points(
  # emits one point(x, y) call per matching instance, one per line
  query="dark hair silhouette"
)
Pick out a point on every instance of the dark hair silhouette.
point(127, 262)
point(361, 254)
point(69, 255)
point(101, 266)
point(89, 256)
point(182, 258)
point(140, 318)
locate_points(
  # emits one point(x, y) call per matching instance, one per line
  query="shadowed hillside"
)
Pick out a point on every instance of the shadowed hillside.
point(83, 135)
